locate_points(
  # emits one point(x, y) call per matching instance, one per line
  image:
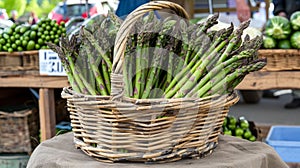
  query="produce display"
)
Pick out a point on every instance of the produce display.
point(31, 37)
point(238, 127)
point(281, 33)
point(164, 57)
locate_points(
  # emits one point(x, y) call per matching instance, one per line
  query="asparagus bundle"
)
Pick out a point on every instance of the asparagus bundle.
point(164, 57)
point(87, 56)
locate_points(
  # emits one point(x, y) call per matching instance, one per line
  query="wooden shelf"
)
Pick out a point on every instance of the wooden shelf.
point(263, 80)
point(34, 81)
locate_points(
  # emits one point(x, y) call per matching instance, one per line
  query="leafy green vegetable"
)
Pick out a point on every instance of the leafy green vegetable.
point(269, 42)
point(284, 44)
point(278, 27)
point(295, 40)
point(295, 20)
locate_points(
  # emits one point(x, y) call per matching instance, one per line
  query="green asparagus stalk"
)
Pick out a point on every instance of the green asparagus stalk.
point(129, 57)
point(66, 66)
point(219, 68)
point(154, 70)
point(238, 73)
point(106, 76)
point(188, 81)
point(217, 78)
point(208, 24)
point(234, 41)
point(185, 73)
point(95, 44)
point(96, 73)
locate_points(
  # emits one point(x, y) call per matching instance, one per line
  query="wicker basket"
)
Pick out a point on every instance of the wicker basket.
point(19, 131)
point(116, 128)
point(281, 59)
point(19, 63)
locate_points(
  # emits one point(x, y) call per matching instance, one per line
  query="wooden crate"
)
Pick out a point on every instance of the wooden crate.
point(281, 59)
point(19, 63)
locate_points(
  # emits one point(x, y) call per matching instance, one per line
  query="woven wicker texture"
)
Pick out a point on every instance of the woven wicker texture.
point(19, 131)
point(281, 59)
point(17, 61)
point(116, 128)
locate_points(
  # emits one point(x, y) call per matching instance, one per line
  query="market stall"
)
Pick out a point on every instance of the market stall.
point(150, 90)
point(21, 64)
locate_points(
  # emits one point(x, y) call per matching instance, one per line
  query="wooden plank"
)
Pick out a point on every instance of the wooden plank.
point(35, 81)
point(47, 113)
point(263, 80)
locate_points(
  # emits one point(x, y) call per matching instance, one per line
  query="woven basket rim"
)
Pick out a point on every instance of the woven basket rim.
point(69, 92)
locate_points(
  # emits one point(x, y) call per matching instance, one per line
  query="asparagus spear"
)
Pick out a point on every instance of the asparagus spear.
point(129, 57)
point(220, 76)
point(188, 82)
point(184, 75)
point(66, 66)
point(220, 67)
point(94, 43)
point(238, 73)
point(97, 75)
point(234, 41)
point(154, 70)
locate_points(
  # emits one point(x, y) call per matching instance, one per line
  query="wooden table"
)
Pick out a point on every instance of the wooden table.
point(46, 86)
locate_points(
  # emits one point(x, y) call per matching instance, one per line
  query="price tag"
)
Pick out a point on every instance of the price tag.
point(50, 63)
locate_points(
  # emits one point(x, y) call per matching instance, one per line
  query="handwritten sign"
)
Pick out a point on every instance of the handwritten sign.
point(50, 63)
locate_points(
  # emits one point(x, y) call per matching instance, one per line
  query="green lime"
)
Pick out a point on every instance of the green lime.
point(17, 36)
point(20, 48)
point(32, 35)
point(26, 38)
point(232, 126)
point(2, 41)
point(14, 46)
point(37, 46)
point(39, 34)
point(47, 38)
point(40, 41)
point(238, 131)
point(56, 41)
point(10, 50)
point(30, 45)
point(58, 32)
point(244, 124)
point(252, 138)
point(48, 28)
point(247, 134)
point(24, 43)
point(18, 42)
point(232, 120)
point(12, 38)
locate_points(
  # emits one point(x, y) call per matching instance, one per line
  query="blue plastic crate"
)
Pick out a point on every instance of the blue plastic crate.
point(286, 141)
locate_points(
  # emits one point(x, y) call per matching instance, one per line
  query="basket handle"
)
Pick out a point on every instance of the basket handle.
point(117, 83)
